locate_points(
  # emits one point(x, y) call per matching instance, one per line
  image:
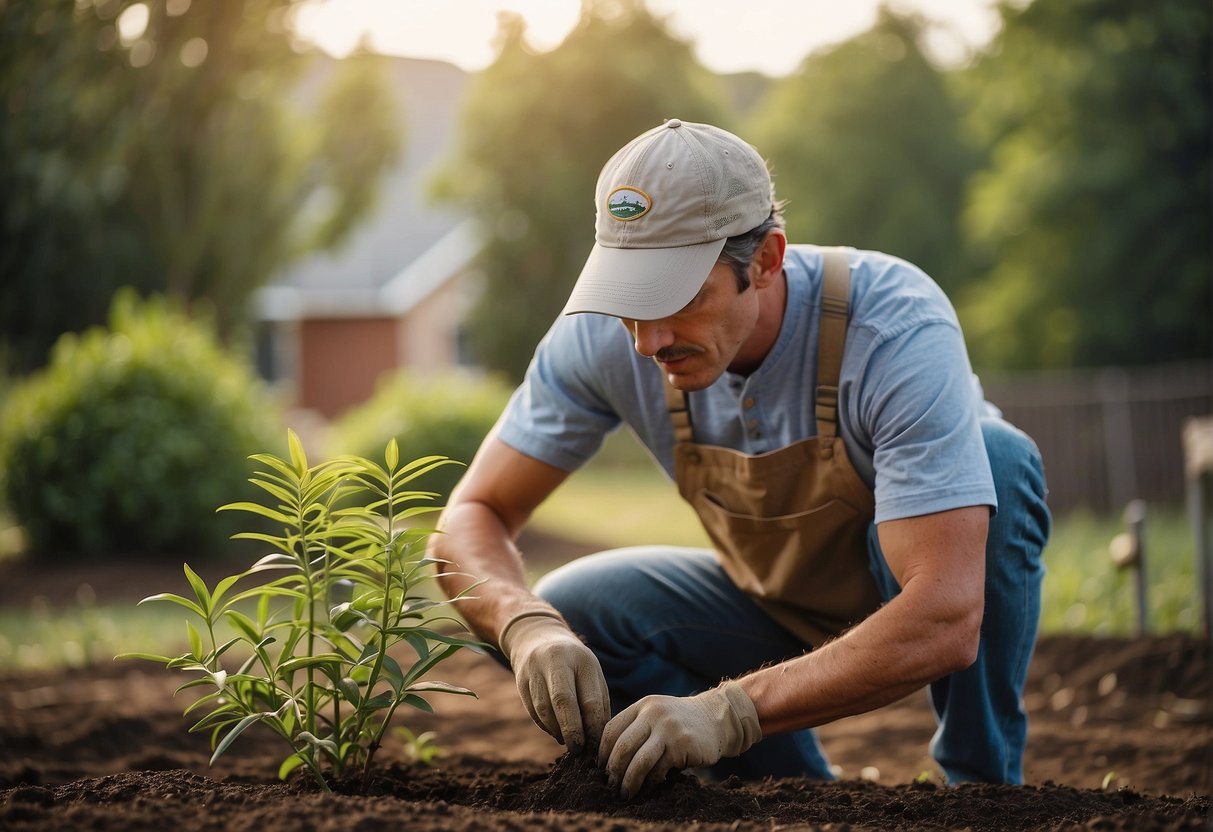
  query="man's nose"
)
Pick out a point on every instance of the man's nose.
point(651, 336)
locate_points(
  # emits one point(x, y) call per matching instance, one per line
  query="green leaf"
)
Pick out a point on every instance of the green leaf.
point(221, 589)
point(344, 616)
point(227, 645)
point(257, 508)
point(276, 490)
point(176, 599)
point(377, 703)
point(419, 468)
point(208, 698)
point(433, 636)
point(195, 640)
point(278, 465)
point(290, 764)
point(441, 687)
point(392, 672)
point(216, 720)
point(200, 591)
point(327, 746)
point(392, 455)
point(237, 731)
point(244, 624)
point(298, 457)
point(417, 702)
point(186, 661)
point(277, 560)
point(195, 683)
point(151, 657)
point(261, 591)
point(299, 662)
point(350, 690)
point(425, 665)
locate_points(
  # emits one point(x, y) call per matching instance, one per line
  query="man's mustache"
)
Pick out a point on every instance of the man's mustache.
point(675, 353)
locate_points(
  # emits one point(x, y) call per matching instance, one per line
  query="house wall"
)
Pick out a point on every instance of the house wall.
point(429, 332)
point(341, 360)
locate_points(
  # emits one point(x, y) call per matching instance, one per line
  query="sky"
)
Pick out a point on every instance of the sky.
point(768, 36)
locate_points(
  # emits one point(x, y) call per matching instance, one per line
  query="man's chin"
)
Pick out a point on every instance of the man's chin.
point(690, 382)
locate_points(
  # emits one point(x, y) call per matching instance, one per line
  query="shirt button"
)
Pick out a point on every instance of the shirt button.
point(748, 403)
point(753, 424)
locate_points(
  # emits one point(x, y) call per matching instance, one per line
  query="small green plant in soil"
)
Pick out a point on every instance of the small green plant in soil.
point(319, 673)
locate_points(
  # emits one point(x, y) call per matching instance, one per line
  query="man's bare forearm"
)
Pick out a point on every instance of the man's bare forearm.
point(932, 628)
point(890, 655)
point(480, 548)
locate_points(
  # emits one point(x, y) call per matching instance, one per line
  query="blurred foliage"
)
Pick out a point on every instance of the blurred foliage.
point(428, 415)
point(1085, 592)
point(132, 437)
point(866, 145)
point(1093, 216)
point(164, 145)
point(537, 129)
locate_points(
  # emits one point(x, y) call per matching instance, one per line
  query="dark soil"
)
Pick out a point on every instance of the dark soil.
point(1121, 739)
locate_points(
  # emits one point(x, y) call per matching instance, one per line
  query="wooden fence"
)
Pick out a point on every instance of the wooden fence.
point(1108, 435)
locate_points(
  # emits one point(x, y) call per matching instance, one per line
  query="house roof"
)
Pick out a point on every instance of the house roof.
point(406, 247)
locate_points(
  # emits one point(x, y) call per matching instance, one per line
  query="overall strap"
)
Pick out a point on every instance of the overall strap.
point(680, 413)
point(835, 306)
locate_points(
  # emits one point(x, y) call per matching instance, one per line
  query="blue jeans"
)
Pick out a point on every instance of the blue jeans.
point(668, 620)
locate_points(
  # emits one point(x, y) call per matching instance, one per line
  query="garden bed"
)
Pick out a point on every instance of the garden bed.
point(1121, 738)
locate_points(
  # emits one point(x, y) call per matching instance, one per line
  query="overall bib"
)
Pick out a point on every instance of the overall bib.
point(790, 527)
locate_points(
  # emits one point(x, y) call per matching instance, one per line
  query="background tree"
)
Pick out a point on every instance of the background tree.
point(537, 129)
point(1094, 211)
point(169, 146)
point(866, 145)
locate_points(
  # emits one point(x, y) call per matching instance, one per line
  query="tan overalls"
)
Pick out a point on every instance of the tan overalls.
point(790, 526)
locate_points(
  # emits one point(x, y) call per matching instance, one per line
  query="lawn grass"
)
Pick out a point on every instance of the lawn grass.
point(613, 505)
point(1084, 592)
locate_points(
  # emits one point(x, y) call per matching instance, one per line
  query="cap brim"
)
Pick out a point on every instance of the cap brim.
point(642, 284)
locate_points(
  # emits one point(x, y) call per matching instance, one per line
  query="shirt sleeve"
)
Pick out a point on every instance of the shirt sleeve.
point(559, 414)
point(921, 413)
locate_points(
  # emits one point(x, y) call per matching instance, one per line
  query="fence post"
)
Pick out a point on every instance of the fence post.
point(1128, 551)
point(1198, 474)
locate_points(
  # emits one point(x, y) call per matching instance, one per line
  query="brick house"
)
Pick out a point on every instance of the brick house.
point(396, 293)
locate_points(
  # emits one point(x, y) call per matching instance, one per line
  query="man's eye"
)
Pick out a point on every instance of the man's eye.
point(693, 302)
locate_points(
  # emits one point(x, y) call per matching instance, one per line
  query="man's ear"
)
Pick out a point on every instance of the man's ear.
point(769, 257)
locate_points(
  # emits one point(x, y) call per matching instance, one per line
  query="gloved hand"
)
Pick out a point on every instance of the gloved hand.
point(659, 733)
point(559, 678)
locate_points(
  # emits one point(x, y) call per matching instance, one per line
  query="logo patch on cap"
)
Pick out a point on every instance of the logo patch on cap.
point(626, 204)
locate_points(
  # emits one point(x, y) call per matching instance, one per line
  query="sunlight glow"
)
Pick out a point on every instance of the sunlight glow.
point(132, 23)
point(768, 36)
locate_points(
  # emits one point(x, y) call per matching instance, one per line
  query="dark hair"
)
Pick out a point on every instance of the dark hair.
point(739, 250)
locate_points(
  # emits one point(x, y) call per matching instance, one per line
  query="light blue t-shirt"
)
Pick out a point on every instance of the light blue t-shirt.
point(908, 406)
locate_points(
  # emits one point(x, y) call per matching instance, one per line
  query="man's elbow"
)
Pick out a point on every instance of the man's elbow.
point(963, 639)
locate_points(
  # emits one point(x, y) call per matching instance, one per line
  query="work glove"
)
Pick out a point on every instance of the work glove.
point(559, 678)
point(645, 741)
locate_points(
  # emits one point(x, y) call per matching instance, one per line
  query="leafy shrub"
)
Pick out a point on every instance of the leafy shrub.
point(318, 671)
point(131, 437)
point(426, 414)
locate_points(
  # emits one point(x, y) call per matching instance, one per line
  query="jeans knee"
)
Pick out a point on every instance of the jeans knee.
point(567, 589)
point(1012, 453)
point(593, 592)
point(1019, 480)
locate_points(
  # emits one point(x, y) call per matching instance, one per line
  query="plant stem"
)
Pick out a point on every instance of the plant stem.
point(388, 549)
point(309, 690)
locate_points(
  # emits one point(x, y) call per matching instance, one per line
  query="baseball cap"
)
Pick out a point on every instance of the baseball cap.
point(666, 203)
